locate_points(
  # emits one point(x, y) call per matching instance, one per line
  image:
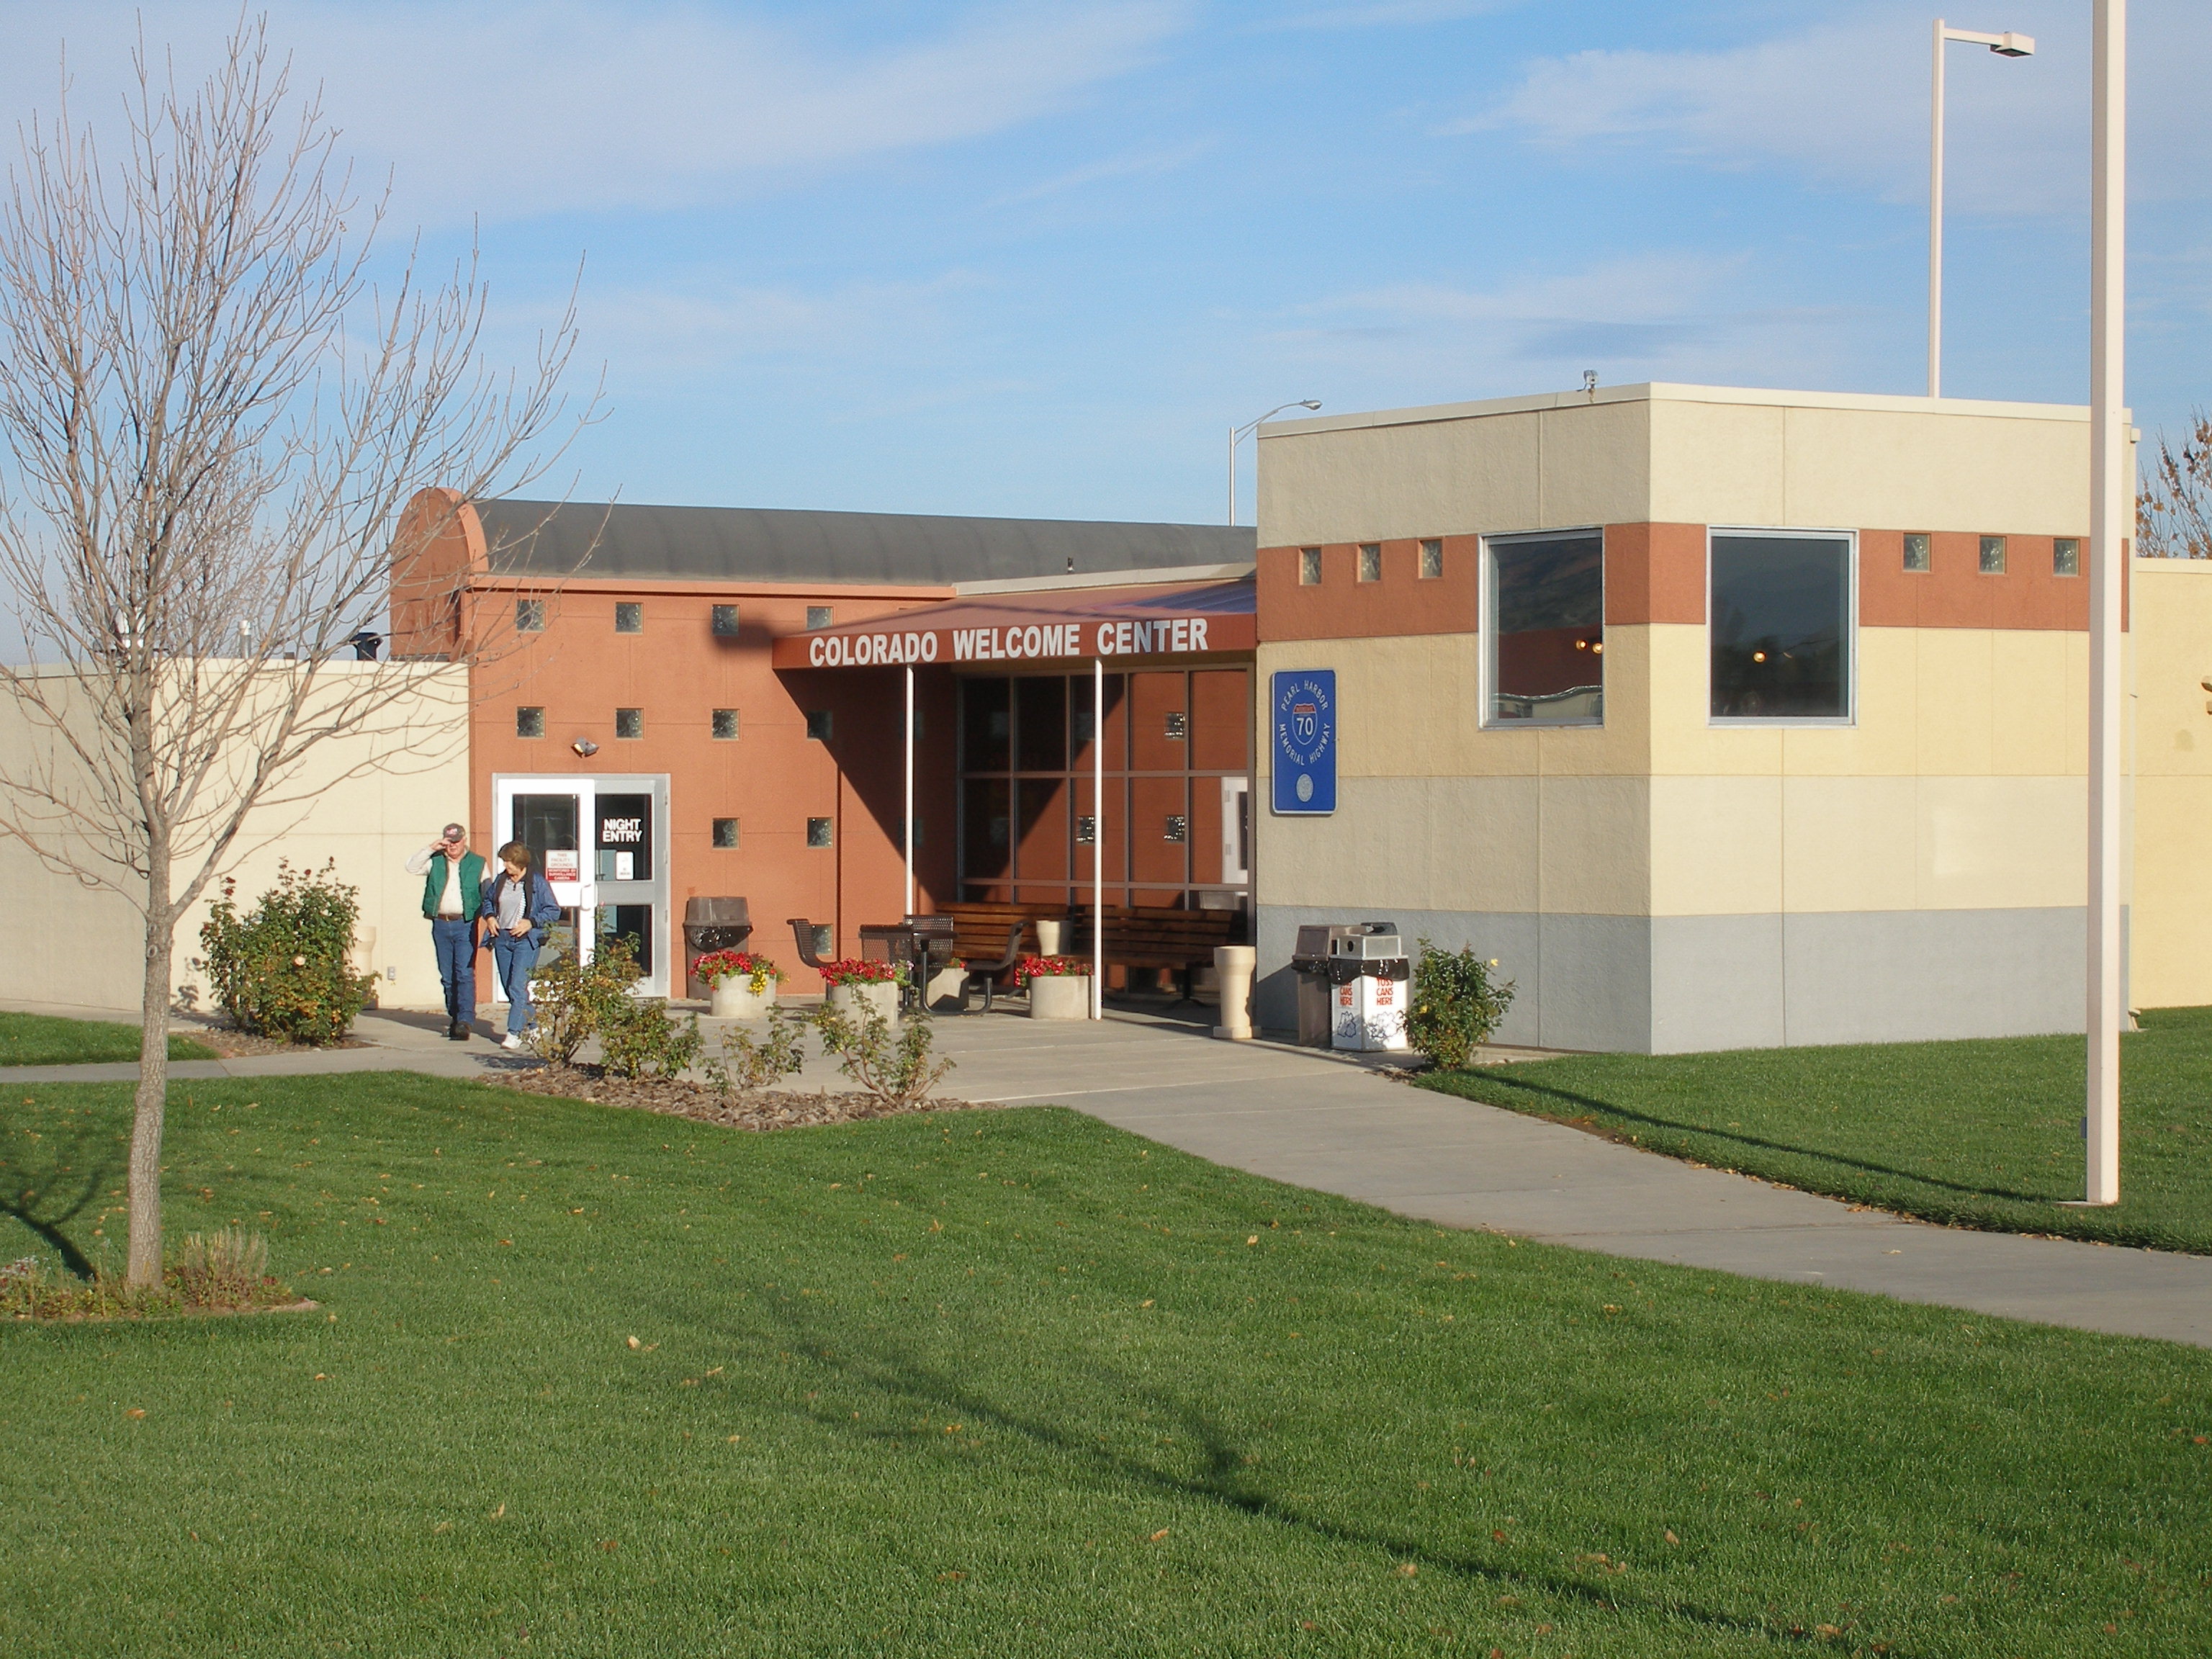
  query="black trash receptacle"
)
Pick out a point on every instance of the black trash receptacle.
point(711, 925)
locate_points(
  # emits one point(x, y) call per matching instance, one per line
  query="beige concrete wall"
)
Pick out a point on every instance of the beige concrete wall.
point(2170, 941)
point(368, 800)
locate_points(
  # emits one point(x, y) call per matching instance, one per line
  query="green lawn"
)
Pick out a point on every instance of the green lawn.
point(1980, 1134)
point(1016, 1383)
point(44, 1040)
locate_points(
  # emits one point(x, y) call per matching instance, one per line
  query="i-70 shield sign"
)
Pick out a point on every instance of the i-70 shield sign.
point(1304, 701)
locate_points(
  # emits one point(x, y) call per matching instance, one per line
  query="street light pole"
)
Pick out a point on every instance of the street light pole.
point(2007, 45)
point(2111, 501)
point(1238, 434)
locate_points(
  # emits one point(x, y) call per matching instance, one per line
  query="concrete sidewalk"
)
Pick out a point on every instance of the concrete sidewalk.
point(1338, 1126)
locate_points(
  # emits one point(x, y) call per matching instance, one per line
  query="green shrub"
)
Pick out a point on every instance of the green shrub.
point(1455, 1005)
point(898, 1074)
point(638, 1039)
point(282, 970)
point(569, 998)
point(752, 1066)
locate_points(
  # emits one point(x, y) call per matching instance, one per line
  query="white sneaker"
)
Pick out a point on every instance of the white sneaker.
point(510, 1041)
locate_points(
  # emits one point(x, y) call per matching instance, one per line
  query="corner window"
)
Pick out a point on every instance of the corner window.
point(819, 832)
point(2066, 556)
point(1993, 556)
point(725, 833)
point(819, 615)
point(629, 722)
point(629, 616)
point(1432, 559)
point(529, 722)
point(530, 615)
point(1370, 562)
point(1779, 622)
point(1543, 625)
point(725, 725)
point(725, 622)
point(1916, 551)
point(1309, 567)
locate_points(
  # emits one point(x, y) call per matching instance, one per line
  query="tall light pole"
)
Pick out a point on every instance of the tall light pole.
point(1238, 434)
point(2007, 45)
point(2112, 510)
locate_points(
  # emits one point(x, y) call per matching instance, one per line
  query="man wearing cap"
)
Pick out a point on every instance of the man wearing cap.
point(452, 893)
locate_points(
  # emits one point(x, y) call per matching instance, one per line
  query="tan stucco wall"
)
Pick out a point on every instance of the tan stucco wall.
point(2170, 941)
point(368, 800)
point(1676, 455)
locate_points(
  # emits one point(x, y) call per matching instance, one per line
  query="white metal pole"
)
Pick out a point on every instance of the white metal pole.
point(2111, 499)
point(1232, 478)
point(1097, 837)
point(1935, 228)
point(909, 793)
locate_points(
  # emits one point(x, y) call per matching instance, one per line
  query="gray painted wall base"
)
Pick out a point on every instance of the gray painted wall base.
point(1683, 984)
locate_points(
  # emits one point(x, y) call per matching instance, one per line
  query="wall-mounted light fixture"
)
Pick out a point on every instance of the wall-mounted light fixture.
point(585, 747)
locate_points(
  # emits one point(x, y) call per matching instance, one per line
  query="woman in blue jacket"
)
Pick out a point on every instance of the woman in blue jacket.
point(518, 905)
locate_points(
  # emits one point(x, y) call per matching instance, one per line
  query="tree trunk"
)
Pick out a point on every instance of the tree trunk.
point(145, 1255)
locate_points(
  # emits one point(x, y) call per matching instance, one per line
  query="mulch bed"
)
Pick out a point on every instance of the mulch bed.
point(231, 1043)
point(673, 1096)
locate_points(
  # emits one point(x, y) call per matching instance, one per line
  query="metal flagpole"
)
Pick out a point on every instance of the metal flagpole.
point(1935, 230)
point(2111, 501)
point(1097, 837)
point(910, 792)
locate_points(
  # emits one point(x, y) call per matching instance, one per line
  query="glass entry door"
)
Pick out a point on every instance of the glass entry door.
point(602, 843)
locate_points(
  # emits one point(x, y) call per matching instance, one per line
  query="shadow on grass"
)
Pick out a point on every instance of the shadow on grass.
point(33, 1201)
point(902, 1378)
point(1588, 1104)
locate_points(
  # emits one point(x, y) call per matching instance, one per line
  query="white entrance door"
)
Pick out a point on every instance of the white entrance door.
point(603, 844)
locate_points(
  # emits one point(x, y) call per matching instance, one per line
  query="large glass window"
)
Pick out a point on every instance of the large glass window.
point(1544, 628)
point(1780, 620)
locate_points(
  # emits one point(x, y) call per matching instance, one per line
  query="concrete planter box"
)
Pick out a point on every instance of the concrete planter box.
point(1060, 996)
point(943, 993)
point(734, 999)
point(855, 1001)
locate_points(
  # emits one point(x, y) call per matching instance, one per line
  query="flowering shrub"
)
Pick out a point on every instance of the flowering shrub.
point(1455, 1005)
point(1030, 967)
point(759, 973)
point(280, 969)
point(571, 997)
point(898, 1071)
point(853, 970)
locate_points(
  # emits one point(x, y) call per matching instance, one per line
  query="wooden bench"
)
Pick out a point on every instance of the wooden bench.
point(980, 927)
point(1147, 936)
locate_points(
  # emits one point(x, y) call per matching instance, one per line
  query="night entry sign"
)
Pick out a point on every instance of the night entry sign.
point(1304, 703)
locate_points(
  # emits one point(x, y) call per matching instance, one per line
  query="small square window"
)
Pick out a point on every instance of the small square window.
point(529, 722)
point(819, 615)
point(725, 832)
point(1178, 727)
point(1086, 831)
point(2066, 556)
point(1916, 551)
point(1370, 562)
point(818, 725)
point(825, 940)
point(1432, 559)
point(530, 615)
point(726, 622)
point(629, 616)
point(1993, 556)
point(725, 725)
point(1178, 827)
point(1309, 567)
point(629, 722)
point(820, 832)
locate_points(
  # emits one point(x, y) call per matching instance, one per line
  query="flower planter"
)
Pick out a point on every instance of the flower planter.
point(1060, 996)
point(735, 999)
point(856, 1001)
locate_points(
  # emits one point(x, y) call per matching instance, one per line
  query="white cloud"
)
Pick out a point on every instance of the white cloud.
point(1846, 102)
point(506, 108)
point(1383, 14)
point(1149, 164)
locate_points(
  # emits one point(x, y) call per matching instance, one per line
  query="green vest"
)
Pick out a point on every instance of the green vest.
point(434, 886)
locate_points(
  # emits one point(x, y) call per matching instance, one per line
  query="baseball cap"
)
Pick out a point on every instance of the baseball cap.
point(456, 832)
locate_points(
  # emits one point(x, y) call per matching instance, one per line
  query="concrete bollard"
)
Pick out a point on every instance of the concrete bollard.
point(1233, 965)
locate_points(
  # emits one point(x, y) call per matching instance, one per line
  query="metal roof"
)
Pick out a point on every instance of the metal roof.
point(737, 544)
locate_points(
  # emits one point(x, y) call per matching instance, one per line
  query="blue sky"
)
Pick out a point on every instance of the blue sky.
point(1033, 260)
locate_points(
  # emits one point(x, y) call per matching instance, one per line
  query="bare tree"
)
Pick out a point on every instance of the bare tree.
point(210, 417)
point(2173, 510)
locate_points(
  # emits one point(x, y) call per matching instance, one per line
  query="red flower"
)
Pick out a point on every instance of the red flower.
point(854, 970)
point(1031, 967)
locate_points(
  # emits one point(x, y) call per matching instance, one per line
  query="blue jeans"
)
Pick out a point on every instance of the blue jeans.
point(514, 959)
point(456, 965)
